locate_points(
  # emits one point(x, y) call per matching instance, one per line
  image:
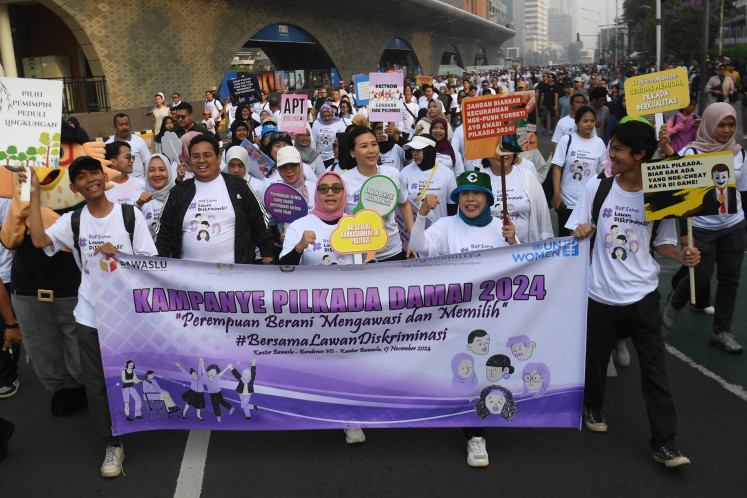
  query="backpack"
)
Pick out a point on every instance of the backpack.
point(128, 215)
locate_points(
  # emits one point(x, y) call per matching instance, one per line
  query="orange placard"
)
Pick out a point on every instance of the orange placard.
point(486, 119)
point(422, 80)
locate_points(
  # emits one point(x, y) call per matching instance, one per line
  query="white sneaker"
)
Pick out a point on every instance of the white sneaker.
point(477, 453)
point(708, 310)
point(621, 355)
point(112, 465)
point(354, 436)
point(611, 370)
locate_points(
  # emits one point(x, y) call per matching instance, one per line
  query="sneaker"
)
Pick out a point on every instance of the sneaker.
point(669, 315)
point(670, 457)
point(726, 341)
point(8, 390)
point(354, 436)
point(621, 355)
point(708, 310)
point(113, 460)
point(611, 370)
point(594, 420)
point(477, 453)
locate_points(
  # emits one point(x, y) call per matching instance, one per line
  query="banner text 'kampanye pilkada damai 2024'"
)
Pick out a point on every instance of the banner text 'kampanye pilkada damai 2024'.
point(480, 338)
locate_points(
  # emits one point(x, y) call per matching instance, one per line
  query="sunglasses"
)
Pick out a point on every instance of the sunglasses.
point(323, 189)
point(181, 116)
point(279, 135)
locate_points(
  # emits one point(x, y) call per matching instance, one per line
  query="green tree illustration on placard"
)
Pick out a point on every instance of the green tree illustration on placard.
point(31, 153)
point(54, 147)
point(45, 139)
point(12, 152)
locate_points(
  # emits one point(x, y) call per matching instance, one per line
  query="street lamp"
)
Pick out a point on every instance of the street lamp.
point(646, 8)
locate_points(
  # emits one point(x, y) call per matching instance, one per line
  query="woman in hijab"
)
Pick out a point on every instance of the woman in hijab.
point(329, 202)
point(240, 131)
point(309, 155)
point(82, 134)
point(445, 154)
point(323, 132)
point(720, 238)
point(425, 175)
point(472, 225)
point(167, 124)
point(434, 110)
point(159, 180)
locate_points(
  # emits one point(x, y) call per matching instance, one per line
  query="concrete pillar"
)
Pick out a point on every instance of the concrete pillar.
point(6, 43)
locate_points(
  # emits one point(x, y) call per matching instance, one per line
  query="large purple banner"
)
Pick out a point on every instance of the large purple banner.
point(481, 338)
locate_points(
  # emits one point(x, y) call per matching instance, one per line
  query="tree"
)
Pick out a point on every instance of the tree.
point(54, 147)
point(4, 157)
point(682, 21)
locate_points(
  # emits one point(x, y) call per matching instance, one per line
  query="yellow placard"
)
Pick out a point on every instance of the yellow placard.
point(697, 185)
point(422, 80)
point(657, 92)
point(362, 232)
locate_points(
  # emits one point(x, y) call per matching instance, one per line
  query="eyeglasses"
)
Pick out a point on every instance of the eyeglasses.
point(197, 157)
point(181, 116)
point(323, 189)
point(127, 156)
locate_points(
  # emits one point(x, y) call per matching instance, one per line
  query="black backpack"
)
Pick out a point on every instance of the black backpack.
point(128, 215)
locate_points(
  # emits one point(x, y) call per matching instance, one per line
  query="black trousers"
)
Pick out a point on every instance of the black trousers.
point(8, 363)
point(642, 322)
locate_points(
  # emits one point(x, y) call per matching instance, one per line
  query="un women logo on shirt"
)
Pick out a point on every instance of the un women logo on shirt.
point(549, 249)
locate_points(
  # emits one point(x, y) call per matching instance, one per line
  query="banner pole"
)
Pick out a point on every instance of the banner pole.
point(503, 191)
point(692, 269)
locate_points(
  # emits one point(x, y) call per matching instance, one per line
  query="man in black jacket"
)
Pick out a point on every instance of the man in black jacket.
point(213, 217)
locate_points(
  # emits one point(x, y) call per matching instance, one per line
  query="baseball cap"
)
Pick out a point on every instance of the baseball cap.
point(577, 78)
point(288, 155)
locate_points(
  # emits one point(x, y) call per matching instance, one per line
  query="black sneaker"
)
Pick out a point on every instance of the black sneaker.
point(670, 457)
point(594, 420)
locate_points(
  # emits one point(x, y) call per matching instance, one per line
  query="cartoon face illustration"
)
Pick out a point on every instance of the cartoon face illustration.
point(619, 253)
point(495, 402)
point(463, 370)
point(198, 217)
point(478, 342)
point(203, 235)
point(498, 367)
point(521, 347)
point(621, 240)
point(246, 373)
point(216, 228)
point(720, 175)
point(193, 226)
point(615, 229)
point(212, 371)
point(536, 377)
point(577, 176)
point(341, 260)
point(326, 259)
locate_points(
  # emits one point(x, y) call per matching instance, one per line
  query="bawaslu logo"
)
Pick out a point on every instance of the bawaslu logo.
point(144, 265)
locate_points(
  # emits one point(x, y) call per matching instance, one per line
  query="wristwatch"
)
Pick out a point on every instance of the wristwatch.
point(13, 326)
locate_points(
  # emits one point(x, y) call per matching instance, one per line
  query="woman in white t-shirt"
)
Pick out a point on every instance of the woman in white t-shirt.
point(323, 132)
point(307, 240)
point(578, 158)
point(390, 153)
point(424, 175)
point(527, 205)
point(472, 229)
point(159, 180)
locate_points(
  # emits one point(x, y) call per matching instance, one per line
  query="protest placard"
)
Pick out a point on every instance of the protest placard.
point(293, 109)
point(489, 117)
point(422, 80)
point(244, 90)
point(31, 116)
point(385, 93)
point(259, 165)
point(361, 233)
point(379, 193)
point(657, 92)
point(697, 185)
point(285, 203)
point(361, 89)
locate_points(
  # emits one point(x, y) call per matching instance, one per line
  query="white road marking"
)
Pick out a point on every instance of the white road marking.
point(735, 389)
point(189, 483)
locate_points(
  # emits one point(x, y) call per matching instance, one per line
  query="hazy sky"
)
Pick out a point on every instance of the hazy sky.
point(597, 10)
